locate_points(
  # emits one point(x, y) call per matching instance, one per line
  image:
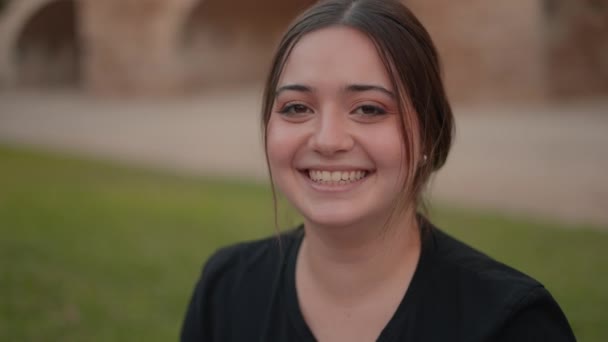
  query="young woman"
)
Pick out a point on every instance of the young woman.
point(355, 121)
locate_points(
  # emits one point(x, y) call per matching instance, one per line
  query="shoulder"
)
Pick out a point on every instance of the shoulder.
point(486, 295)
point(247, 259)
point(455, 258)
point(236, 285)
point(536, 317)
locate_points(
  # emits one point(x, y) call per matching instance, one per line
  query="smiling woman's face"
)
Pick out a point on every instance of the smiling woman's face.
point(334, 143)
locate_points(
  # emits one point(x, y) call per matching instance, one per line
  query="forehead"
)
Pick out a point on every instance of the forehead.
point(334, 56)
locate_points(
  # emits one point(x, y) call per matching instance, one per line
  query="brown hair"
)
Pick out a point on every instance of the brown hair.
point(412, 62)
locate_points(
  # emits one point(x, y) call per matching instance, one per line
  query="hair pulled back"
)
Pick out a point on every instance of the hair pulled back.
point(413, 65)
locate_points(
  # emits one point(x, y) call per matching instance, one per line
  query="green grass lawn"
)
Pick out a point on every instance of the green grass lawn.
point(91, 251)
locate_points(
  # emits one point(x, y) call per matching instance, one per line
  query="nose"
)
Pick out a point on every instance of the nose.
point(331, 134)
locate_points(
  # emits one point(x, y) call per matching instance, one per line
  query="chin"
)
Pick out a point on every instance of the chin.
point(333, 217)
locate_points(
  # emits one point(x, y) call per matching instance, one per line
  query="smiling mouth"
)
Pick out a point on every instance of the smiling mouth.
point(336, 177)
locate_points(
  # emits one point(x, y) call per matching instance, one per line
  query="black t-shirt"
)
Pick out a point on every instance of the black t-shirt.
point(247, 293)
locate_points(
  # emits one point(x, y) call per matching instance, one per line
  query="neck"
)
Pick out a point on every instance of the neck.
point(352, 261)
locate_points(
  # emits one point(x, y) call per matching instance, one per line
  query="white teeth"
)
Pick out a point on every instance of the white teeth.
point(345, 176)
point(336, 177)
point(325, 176)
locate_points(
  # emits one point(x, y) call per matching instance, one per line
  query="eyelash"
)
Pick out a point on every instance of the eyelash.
point(289, 109)
point(378, 111)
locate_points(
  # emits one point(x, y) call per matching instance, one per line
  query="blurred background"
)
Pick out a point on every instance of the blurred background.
point(130, 150)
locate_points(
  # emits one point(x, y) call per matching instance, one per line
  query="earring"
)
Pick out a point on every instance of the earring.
point(424, 159)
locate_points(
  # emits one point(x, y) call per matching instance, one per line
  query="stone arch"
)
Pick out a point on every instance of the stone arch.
point(577, 48)
point(223, 43)
point(47, 49)
point(16, 16)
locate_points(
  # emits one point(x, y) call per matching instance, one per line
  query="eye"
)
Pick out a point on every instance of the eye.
point(294, 109)
point(370, 110)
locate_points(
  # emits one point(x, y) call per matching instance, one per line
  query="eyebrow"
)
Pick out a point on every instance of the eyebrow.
point(353, 88)
point(369, 87)
point(293, 87)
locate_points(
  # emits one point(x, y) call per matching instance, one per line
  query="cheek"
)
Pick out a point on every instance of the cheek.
point(387, 147)
point(280, 144)
point(388, 152)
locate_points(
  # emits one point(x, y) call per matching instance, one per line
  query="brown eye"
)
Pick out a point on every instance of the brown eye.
point(370, 110)
point(295, 109)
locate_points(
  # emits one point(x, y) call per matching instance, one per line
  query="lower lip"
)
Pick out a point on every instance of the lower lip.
point(322, 187)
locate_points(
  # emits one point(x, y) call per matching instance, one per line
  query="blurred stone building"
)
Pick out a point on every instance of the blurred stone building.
point(504, 50)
